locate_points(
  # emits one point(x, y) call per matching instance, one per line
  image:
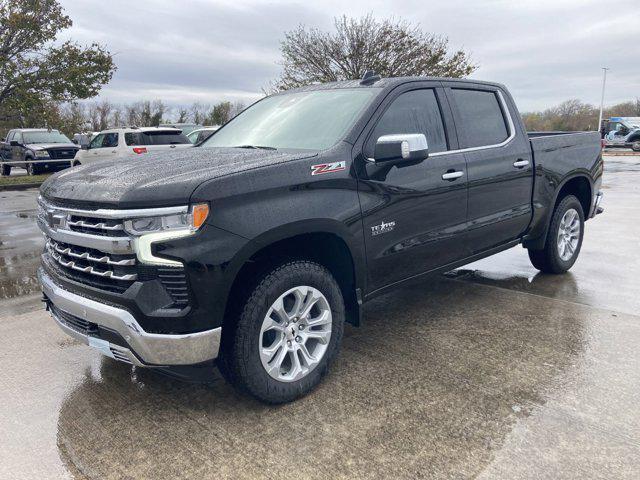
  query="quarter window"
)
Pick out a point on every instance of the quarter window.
point(416, 111)
point(481, 119)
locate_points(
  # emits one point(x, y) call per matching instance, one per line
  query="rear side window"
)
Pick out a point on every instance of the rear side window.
point(416, 111)
point(163, 138)
point(481, 121)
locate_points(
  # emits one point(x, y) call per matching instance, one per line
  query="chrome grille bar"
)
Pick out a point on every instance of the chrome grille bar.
point(87, 256)
point(95, 226)
point(121, 245)
point(89, 269)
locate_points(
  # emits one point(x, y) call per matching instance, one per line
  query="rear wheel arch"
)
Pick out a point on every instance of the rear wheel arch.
point(578, 185)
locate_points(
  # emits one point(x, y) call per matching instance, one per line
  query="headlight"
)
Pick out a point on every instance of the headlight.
point(149, 230)
point(41, 154)
point(185, 222)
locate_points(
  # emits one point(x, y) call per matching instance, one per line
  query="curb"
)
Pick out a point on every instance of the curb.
point(19, 186)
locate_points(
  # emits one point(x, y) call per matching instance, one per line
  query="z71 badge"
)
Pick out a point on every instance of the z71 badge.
point(328, 168)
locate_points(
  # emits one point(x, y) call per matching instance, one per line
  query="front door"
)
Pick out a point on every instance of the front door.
point(499, 163)
point(103, 146)
point(414, 215)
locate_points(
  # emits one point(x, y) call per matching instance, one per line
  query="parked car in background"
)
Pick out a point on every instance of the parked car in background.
point(200, 135)
point(186, 128)
point(256, 247)
point(622, 132)
point(36, 150)
point(126, 141)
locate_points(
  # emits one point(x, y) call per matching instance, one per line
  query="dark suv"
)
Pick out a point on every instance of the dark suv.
point(36, 150)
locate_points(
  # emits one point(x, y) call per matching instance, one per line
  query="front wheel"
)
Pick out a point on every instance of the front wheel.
point(32, 169)
point(5, 170)
point(635, 146)
point(564, 238)
point(287, 334)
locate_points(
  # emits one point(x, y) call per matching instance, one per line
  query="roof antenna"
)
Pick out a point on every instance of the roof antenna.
point(369, 78)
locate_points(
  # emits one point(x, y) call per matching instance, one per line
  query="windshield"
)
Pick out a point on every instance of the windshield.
point(313, 120)
point(44, 137)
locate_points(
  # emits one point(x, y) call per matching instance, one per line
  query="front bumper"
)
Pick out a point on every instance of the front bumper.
point(137, 347)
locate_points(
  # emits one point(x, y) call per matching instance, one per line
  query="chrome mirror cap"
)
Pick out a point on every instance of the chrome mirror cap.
point(401, 147)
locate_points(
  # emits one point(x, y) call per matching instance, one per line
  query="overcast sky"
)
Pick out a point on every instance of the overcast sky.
point(545, 51)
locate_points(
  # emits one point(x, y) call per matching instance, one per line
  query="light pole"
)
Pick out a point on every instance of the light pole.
point(604, 82)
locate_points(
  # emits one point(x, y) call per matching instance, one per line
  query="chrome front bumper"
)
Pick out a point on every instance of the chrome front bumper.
point(147, 349)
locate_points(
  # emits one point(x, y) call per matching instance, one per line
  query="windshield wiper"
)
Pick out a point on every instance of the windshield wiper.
point(255, 147)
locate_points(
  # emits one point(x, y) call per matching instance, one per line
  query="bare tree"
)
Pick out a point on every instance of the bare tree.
point(198, 113)
point(183, 115)
point(392, 48)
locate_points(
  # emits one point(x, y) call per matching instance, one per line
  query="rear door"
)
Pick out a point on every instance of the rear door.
point(499, 163)
point(413, 218)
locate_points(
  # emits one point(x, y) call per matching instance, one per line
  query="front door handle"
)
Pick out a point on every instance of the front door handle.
point(452, 175)
point(521, 163)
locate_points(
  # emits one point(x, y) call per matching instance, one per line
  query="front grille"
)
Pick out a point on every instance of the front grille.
point(73, 322)
point(61, 153)
point(85, 256)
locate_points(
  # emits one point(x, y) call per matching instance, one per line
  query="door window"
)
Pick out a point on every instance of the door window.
point(416, 111)
point(105, 140)
point(481, 121)
point(18, 137)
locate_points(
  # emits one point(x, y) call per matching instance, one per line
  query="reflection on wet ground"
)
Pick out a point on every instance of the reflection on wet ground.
point(495, 371)
point(20, 244)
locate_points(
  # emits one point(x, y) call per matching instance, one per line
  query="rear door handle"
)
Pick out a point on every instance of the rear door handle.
point(452, 175)
point(521, 163)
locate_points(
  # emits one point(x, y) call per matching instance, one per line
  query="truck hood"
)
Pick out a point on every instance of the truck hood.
point(155, 179)
point(46, 146)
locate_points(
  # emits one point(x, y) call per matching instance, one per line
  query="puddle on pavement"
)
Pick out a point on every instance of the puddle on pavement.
point(379, 408)
point(20, 246)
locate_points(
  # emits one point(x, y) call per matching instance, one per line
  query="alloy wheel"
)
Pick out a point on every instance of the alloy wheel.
point(295, 333)
point(568, 234)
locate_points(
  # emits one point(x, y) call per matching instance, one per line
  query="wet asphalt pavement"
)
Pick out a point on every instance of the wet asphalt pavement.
point(492, 371)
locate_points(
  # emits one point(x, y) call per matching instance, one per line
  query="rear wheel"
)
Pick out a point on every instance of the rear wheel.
point(635, 146)
point(5, 170)
point(564, 238)
point(287, 334)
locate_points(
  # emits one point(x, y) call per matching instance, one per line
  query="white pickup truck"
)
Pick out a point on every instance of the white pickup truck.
point(127, 141)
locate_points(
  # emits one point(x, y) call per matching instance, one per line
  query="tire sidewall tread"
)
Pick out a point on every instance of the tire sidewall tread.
point(241, 361)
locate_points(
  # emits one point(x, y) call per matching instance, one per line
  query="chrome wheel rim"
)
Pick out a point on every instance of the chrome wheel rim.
point(568, 234)
point(295, 334)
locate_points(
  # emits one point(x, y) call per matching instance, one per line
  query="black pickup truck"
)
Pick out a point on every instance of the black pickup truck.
point(256, 247)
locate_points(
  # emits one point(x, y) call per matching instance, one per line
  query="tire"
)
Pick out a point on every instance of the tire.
point(32, 169)
point(635, 146)
point(5, 170)
point(553, 258)
point(246, 344)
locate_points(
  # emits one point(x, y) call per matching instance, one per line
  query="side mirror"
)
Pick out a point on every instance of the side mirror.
point(13, 143)
point(74, 140)
point(84, 146)
point(410, 147)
